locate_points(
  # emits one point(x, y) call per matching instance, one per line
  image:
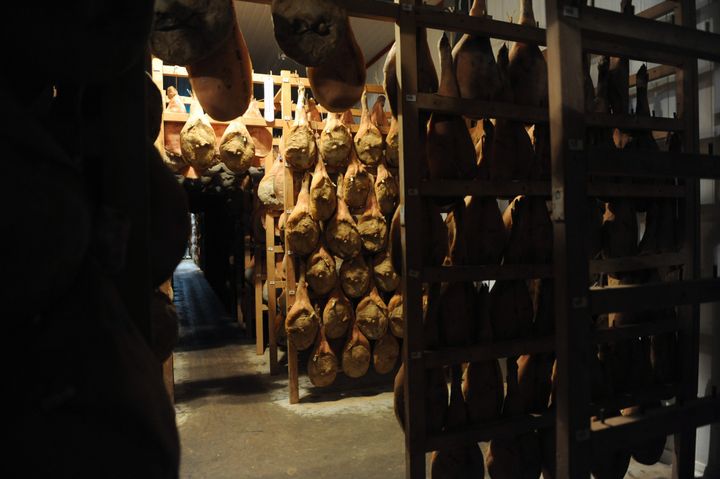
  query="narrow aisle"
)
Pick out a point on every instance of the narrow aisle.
point(235, 420)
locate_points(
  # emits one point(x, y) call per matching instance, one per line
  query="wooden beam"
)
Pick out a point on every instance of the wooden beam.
point(438, 274)
point(569, 215)
point(654, 164)
point(622, 333)
point(655, 73)
point(641, 297)
point(481, 109)
point(502, 428)
point(643, 33)
point(659, 10)
point(636, 263)
point(381, 53)
point(490, 350)
point(628, 122)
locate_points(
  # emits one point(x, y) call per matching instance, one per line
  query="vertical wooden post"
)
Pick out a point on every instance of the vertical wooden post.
point(686, 80)
point(569, 205)
point(411, 208)
point(270, 277)
point(286, 111)
point(258, 282)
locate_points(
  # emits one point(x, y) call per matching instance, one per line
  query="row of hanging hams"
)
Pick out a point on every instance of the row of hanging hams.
point(347, 307)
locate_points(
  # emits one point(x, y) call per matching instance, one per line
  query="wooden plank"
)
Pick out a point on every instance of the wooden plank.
point(492, 350)
point(686, 85)
point(621, 333)
point(569, 214)
point(635, 263)
point(271, 285)
point(655, 73)
point(628, 122)
point(643, 33)
point(259, 331)
point(510, 189)
point(640, 297)
point(370, 9)
point(290, 266)
point(502, 428)
point(622, 431)
point(643, 395)
point(411, 212)
point(438, 274)
point(615, 47)
point(659, 10)
point(655, 164)
point(480, 109)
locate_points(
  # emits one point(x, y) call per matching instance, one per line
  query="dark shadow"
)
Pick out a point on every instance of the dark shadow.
point(243, 385)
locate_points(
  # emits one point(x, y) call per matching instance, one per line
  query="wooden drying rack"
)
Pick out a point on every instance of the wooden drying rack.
point(265, 259)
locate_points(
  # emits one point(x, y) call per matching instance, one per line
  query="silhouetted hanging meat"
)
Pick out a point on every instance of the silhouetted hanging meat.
point(474, 62)
point(450, 151)
point(511, 310)
point(527, 70)
point(427, 76)
point(385, 353)
point(530, 232)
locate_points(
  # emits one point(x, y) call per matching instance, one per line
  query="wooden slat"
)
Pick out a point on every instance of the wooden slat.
point(494, 350)
point(659, 10)
point(503, 428)
point(621, 333)
point(643, 33)
point(437, 274)
point(622, 431)
point(639, 297)
point(619, 47)
point(643, 395)
point(271, 289)
point(656, 164)
point(655, 73)
point(635, 263)
point(480, 109)
point(509, 189)
point(371, 9)
point(627, 122)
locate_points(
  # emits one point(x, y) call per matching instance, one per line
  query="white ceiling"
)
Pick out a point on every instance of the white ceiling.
point(256, 24)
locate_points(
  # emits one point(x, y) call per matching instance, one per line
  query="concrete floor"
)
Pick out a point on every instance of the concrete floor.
point(235, 420)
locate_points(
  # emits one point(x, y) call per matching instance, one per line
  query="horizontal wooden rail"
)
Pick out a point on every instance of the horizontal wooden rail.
point(481, 109)
point(619, 47)
point(493, 350)
point(646, 34)
point(602, 407)
point(635, 263)
point(622, 333)
point(628, 122)
point(652, 164)
point(503, 428)
point(438, 274)
point(512, 188)
point(659, 10)
point(655, 73)
point(623, 431)
point(637, 297)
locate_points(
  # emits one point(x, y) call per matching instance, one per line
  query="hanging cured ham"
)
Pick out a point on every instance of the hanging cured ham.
point(385, 354)
point(237, 149)
point(222, 81)
point(427, 76)
point(395, 315)
point(301, 230)
point(527, 70)
point(261, 137)
point(356, 355)
point(436, 398)
point(335, 142)
point(338, 314)
point(297, 145)
point(392, 144)
point(450, 151)
point(372, 226)
point(355, 277)
point(464, 461)
point(309, 32)
point(371, 315)
point(323, 199)
point(197, 140)
point(368, 139)
point(356, 184)
point(341, 232)
point(302, 322)
point(271, 189)
point(321, 273)
point(530, 231)
point(384, 274)
point(474, 62)
point(387, 190)
point(322, 365)
point(338, 82)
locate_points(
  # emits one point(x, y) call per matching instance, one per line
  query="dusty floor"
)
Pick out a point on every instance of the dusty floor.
point(235, 420)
